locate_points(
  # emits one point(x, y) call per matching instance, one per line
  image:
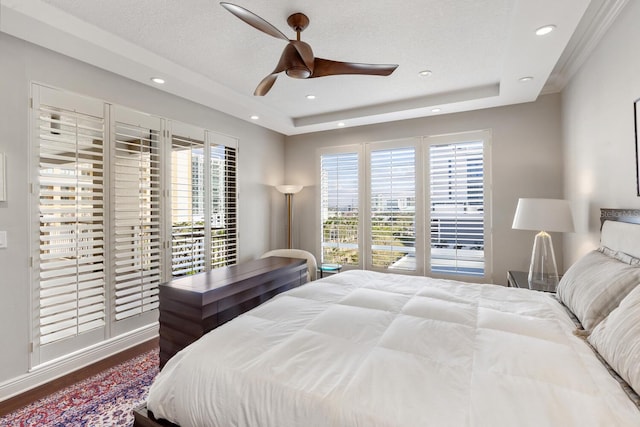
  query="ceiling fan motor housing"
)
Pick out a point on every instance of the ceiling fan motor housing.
point(298, 72)
point(294, 65)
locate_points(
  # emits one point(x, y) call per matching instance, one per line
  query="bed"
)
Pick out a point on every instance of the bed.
point(383, 350)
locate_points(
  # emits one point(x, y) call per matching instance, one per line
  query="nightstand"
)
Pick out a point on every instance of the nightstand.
point(329, 268)
point(520, 279)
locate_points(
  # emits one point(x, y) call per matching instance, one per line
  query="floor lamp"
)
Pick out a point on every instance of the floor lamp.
point(543, 215)
point(289, 191)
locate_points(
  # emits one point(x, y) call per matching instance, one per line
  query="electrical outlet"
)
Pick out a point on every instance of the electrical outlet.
point(3, 239)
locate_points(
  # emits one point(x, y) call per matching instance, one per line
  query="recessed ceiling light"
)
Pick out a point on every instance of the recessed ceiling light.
point(311, 97)
point(425, 73)
point(436, 110)
point(341, 124)
point(545, 30)
point(157, 80)
point(254, 117)
point(525, 79)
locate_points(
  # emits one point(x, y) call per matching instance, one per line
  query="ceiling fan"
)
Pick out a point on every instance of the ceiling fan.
point(297, 59)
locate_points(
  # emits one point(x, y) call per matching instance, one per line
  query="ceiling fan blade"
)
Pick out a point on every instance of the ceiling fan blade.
point(327, 67)
point(254, 20)
point(305, 52)
point(265, 85)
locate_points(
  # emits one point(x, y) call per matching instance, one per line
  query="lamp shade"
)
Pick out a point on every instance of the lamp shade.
point(543, 215)
point(288, 188)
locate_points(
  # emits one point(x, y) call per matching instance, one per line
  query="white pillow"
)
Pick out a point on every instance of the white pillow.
point(594, 286)
point(617, 339)
point(620, 256)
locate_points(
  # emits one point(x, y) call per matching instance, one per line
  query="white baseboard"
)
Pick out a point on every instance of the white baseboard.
point(50, 371)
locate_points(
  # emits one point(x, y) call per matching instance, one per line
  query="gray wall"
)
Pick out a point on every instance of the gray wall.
point(598, 125)
point(526, 159)
point(261, 165)
point(580, 144)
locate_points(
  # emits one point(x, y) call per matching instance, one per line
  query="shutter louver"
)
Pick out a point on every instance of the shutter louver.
point(339, 208)
point(393, 208)
point(457, 208)
point(71, 227)
point(137, 244)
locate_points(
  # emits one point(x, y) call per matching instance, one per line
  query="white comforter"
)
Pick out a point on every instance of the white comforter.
point(369, 349)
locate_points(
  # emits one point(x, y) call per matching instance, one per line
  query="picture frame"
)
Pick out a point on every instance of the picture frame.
point(636, 122)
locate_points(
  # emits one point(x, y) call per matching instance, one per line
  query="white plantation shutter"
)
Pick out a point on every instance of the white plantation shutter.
point(426, 207)
point(203, 200)
point(457, 208)
point(111, 189)
point(223, 216)
point(187, 206)
point(71, 203)
point(339, 200)
point(136, 213)
point(392, 198)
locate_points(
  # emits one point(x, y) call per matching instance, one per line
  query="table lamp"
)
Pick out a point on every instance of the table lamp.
point(543, 215)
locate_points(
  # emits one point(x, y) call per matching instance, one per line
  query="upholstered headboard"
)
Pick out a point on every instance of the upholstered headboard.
point(620, 230)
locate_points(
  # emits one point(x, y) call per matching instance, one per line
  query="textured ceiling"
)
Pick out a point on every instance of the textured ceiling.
point(476, 49)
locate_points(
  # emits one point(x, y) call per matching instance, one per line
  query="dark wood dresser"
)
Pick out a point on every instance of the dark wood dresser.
point(193, 305)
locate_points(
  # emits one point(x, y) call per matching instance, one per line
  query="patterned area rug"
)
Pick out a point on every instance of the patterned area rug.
point(106, 399)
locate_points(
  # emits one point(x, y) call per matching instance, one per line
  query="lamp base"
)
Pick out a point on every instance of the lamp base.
point(543, 271)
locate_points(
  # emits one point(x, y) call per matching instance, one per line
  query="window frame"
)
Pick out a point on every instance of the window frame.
point(113, 119)
point(119, 114)
point(422, 192)
point(453, 138)
point(416, 144)
point(207, 138)
point(345, 149)
point(77, 105)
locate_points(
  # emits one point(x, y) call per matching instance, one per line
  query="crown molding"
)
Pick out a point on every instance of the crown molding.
point(594, 25)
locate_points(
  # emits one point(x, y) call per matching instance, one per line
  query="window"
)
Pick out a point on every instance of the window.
point(457, 208)
point(203, 201)
point(339, 202)
point(424, 213)
point(224, 235)
point(120, 205)
point(70, 268)
point(137, 248)
point(392, 198)
point(187, 206)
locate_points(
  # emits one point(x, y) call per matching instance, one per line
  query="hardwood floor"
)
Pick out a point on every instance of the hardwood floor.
point(24, 399)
